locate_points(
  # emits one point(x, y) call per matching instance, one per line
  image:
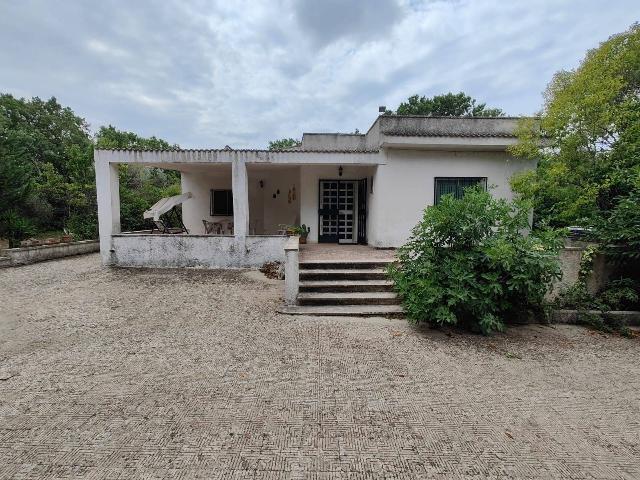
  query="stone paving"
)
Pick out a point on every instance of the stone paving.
point(329, 252)
point(112, 373)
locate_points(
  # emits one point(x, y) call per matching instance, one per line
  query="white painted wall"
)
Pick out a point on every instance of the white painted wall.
point(272, 212)
point(200, 183)
point(404, 186)
point(203, 251)
point(265, 212)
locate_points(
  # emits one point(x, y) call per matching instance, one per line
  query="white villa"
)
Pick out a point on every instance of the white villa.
point(347, 188)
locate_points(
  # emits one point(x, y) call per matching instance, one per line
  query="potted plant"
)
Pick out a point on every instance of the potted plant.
point(66, 237)
point(301, 230)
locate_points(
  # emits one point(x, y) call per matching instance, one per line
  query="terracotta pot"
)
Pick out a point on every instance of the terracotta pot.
point(303, 239)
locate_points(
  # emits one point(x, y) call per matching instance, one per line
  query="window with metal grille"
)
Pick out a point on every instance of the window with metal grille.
point(221, 203)
point(456, 185)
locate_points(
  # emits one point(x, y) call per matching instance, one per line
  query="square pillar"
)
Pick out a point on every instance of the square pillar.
point(108, 197)
point(240, 185)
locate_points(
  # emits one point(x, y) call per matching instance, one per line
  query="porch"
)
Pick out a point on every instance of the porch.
point(254, 194)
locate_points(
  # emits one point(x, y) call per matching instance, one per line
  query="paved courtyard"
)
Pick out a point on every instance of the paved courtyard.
point(112, 373)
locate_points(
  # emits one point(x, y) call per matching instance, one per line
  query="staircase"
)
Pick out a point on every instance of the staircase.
point(345, 288)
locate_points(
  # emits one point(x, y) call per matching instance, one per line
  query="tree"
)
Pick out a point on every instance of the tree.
point(587, 141)
point(46, 157)
point(140, 186)
point(284, 144)
point(111, 137)
point(447, 105)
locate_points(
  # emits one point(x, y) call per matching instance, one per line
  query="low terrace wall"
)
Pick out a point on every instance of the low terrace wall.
point(40, 253)
point(205, 251)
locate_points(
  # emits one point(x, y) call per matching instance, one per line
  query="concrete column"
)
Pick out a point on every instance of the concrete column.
point(108, 197)
point(240, 185)
point(291, 271)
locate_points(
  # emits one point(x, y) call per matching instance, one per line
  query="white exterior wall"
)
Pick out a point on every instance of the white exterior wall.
point(275, 211)
point(265, 212)
point(197, 208)
point(405, 185)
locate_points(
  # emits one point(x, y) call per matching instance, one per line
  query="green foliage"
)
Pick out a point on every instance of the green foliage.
point(15, 227)
point(301, 230)
point(140, 187)
point(47, 180)
point(111, 137)
point(619, 294)
point(587, 143)
point(46, 166)
point(619, 231)
point(447, 105)
point(468, 262)
point(284, 144)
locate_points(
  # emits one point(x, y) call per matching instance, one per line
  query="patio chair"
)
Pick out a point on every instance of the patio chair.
point(212, 228)
point(163, 228)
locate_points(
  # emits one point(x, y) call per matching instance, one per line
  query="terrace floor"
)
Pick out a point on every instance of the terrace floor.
point(129, 373)
point(333, 252)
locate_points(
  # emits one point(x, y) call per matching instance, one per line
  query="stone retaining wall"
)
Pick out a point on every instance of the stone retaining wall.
point(26, 255)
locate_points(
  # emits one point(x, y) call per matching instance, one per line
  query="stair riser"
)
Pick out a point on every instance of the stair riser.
point(348, 288)
point(341, 266)
point(349, 301)
point(329, 275)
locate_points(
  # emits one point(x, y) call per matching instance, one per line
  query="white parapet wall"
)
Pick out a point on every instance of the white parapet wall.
point(41, 253)
point(204, 251)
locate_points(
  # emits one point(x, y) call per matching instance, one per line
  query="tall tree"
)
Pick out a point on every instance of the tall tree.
point(589, 161)
point(447, 105)
point(46, 154)
point(111, 137)
point(284, 144)
point(140, 187)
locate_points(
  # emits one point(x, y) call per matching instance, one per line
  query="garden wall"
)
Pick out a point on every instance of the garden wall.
point(40, 253)
point(570, 258)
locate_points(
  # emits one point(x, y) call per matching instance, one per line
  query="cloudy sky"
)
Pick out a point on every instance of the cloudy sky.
point(205, 73)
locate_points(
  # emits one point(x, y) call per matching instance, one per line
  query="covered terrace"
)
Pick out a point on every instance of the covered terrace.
point(252, 192)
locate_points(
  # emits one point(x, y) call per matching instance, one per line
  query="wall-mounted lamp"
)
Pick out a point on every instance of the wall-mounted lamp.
point(261, 183)
point(340, 171)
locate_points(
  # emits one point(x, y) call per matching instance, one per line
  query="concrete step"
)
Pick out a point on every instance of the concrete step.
point(347, 298)
point(346, 286)
point(389, 311)
point(5, 262)
point(342, 265)
point(343, 274)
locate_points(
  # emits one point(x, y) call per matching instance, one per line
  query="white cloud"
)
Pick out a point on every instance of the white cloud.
point(202, 73)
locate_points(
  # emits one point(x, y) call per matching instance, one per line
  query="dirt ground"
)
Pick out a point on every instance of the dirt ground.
point(117, 373)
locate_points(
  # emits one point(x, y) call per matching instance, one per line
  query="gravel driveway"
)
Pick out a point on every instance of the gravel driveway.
point(113, 373)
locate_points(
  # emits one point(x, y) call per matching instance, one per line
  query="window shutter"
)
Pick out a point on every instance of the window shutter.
point(456, 186)
point(445, 186)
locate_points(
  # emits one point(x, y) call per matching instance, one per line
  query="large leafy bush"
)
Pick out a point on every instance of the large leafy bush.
point(471, 262)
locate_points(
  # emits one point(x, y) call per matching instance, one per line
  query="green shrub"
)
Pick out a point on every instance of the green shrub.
point(469, 262)
point(15, 228)
point(83, 227)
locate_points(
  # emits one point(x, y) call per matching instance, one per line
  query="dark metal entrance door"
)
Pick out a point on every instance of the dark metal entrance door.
point(338, 212)
point(362, 211)
point(328, 211)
